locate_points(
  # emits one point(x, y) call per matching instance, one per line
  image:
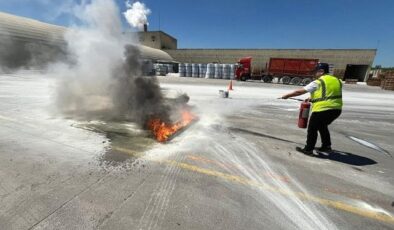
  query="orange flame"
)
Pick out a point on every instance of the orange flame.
point(162, 131)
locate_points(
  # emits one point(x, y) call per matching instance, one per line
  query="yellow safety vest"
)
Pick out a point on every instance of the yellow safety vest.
point(328, 95)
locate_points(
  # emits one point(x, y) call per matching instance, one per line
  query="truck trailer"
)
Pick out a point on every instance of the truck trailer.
point(296, 71)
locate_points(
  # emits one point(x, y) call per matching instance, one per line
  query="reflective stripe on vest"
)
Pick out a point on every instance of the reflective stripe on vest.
point(324, 92)
point(323, 100)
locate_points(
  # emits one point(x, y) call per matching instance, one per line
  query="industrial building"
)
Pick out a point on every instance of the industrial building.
point(157, 39)
point(348, 63)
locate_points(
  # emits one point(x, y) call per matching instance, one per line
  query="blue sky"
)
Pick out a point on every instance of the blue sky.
point(254, 23)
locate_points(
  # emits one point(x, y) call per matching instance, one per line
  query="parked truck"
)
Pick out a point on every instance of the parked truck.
point(294, 71)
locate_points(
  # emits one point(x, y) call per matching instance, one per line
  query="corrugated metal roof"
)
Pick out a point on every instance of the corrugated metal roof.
point(155, 54)
point(26, 29)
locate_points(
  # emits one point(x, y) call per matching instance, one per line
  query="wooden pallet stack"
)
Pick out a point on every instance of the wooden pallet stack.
point(351, 81)
point(387, 80)
point(374, 82)
point(339, 73)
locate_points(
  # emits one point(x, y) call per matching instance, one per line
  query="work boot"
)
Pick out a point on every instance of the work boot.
point(304, 151)
point(326, 149)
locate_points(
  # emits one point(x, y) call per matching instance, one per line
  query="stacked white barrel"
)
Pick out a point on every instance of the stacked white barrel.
point(232, 71)
point(218, 71)
point(170, 68)
point(210, 71)
point(161, 69)
point(226, 71)
point(195, 70)
point(202, 69)
point(182, 70)
point(166, 69)
point(188, 67)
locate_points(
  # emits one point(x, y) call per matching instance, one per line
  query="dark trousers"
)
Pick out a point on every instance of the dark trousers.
point(319, 121)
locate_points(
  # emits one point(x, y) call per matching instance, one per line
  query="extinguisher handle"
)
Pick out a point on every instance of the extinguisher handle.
point(296, 99)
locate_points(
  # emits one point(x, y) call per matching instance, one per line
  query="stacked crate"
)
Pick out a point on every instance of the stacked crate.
point(387, 80)
point(374, 82)
point(351, 81)
point(339, 73)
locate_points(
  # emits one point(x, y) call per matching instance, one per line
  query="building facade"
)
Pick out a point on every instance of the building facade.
point(158, 40)
point(346, 63)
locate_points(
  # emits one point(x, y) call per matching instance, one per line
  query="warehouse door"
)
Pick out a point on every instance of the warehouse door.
point(356, 72)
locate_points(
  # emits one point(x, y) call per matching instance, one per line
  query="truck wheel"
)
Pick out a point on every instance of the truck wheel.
point(267, 79)
point(296, 81)
point(306, 81)
point(286, 80)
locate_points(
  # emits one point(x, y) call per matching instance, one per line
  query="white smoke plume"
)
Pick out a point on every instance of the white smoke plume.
point(137, 14)
point(104, 80)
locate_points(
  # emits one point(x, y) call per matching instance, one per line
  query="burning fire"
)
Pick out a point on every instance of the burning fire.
point(162, 131)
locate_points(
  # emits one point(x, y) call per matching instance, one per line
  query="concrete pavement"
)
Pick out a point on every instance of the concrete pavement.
point(234, 169)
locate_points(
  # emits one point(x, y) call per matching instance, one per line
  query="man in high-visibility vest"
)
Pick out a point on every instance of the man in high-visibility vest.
point(326, 98)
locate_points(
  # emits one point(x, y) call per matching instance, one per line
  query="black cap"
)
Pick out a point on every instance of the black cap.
point(323, 66)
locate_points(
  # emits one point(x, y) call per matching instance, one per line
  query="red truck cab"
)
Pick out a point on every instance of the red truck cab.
point(243, 68)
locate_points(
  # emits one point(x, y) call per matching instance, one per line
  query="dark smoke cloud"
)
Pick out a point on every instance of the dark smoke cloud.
point(105, 82)
point(135, 97)
point(28, 44)
point(126, 95)
point(17, 53)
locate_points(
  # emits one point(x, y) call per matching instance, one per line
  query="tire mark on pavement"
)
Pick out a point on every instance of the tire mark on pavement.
point(245, 181)
point(329, 203)
point(68, 201)
point(110, 214)
point(156, 208)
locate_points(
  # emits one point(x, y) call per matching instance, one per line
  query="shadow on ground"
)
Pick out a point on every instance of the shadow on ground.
point(345, 157)
point(335, 155)
point(238, 130)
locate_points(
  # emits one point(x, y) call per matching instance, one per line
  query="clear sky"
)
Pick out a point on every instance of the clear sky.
point(253, 23)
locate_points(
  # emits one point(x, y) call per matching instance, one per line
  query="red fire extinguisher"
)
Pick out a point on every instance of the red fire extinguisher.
point(304, 114)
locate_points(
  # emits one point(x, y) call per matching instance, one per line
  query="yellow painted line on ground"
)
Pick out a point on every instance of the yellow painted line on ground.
point(235, 166)
point(330, 203)
point(8, 119)
point(244, 181)
point(27, 124)
point(128, 152)
point(209, 161)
